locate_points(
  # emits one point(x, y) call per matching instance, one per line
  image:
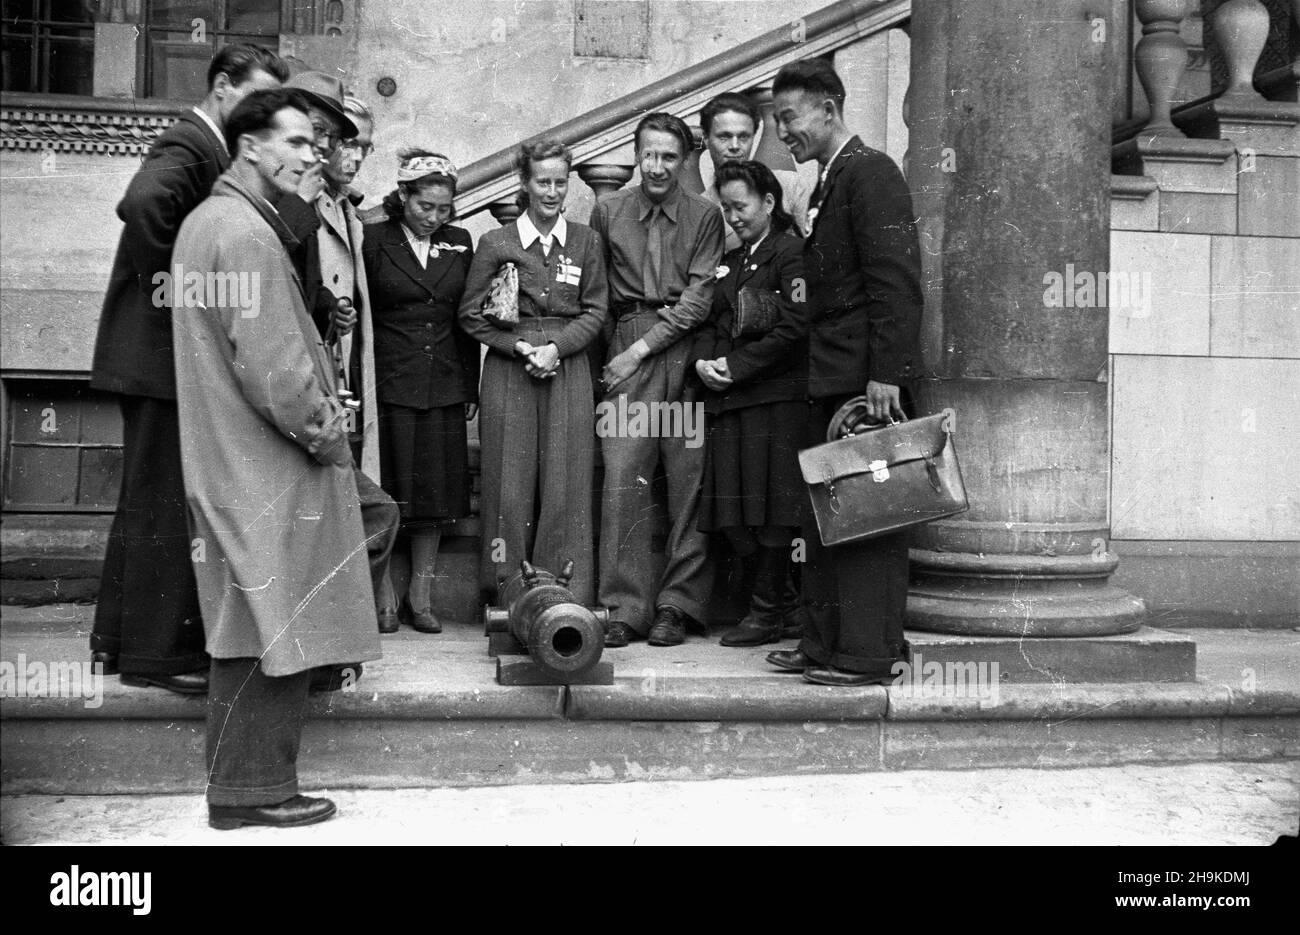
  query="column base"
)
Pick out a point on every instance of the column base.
point(1016, 595)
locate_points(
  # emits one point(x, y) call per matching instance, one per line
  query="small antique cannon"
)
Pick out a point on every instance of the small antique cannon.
point(538, 617)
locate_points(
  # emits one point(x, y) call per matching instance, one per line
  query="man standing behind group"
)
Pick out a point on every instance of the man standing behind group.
point(335, 274)
point(663, 246)
point(269, 479)
point(147, 623)
point(862, 259)
point(731, 124)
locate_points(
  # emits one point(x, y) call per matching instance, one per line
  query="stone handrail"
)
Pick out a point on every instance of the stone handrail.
point(1240, 29)
point(608, 127)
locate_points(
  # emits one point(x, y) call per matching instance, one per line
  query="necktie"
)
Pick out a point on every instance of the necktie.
point(653, 256)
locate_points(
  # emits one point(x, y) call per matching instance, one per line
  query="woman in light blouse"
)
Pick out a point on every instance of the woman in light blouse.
point(537, 422)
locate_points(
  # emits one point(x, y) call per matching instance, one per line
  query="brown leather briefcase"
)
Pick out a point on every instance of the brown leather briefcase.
point(875, 479)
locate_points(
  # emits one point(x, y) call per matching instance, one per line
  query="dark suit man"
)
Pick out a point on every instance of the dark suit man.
point(862, 259)
point(147, 624)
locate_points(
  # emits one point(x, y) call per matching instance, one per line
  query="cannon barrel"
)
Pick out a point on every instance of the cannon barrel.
point(537, 609)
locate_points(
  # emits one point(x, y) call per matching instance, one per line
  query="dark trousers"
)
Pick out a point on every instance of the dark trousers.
point(253, 732)
point(855, 594)
point(380, 517)
point(148, 612)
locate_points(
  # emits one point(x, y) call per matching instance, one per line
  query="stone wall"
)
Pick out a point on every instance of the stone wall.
point(1205, 382)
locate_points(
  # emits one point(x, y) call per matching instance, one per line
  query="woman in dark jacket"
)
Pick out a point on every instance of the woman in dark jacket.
point(757, 382)
point(426, 367)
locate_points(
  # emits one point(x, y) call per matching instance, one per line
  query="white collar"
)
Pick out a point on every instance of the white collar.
point(212, 124)
point(753, 248)
point(528, 231)
point(831, 161)
point(411, 237)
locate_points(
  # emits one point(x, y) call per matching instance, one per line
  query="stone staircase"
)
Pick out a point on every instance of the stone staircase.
point(430, 714)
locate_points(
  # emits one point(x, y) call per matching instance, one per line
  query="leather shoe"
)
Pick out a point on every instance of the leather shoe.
point(183, 683)
point(841, 678)
point(751, 632)
point(669, 627)
point(619, 634)
point(422, 621)
point(791, 660)
point(300, 810)
point(389, 622)
point(105, 659)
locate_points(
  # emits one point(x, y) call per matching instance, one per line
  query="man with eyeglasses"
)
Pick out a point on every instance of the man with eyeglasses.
point(329, 259)
point(346, 162)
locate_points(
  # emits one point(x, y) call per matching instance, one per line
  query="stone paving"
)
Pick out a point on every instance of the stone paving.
point(1203, 803)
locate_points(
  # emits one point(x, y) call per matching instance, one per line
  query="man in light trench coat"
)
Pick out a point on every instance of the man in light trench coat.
point(281, 535)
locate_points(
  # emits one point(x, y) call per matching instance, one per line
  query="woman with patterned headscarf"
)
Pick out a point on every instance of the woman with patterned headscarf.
point(426, 369)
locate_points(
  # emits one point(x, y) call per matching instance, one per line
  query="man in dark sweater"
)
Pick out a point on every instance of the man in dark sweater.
point(147, 624)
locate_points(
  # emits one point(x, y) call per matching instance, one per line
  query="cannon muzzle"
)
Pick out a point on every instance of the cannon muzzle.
point(564, 638)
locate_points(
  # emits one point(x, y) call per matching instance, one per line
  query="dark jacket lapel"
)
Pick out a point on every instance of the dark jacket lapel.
point(751, 266)
point(215, 147)
point(441, 265)
point(734, 261)
point(401, 255)
point(837, 165)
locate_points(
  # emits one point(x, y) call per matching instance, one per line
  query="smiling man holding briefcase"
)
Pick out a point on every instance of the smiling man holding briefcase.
point(862, 259)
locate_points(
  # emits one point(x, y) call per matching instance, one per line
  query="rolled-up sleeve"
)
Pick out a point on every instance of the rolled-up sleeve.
point(697, 297)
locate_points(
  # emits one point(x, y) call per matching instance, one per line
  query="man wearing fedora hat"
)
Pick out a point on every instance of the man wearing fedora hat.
point(334, 281)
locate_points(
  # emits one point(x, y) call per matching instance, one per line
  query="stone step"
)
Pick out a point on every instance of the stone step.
point(430, 714)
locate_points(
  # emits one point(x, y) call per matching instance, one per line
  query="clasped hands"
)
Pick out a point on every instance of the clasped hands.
point(714, 374)
point(541, 363)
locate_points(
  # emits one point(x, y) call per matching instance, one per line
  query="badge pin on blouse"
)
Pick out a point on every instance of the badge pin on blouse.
point(566, 272)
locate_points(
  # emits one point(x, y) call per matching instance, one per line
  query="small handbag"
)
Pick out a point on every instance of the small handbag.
point(756, 312)
point(501, 307)
point(872, 479)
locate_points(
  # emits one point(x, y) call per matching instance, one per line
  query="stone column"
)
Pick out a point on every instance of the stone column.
point(1010, 168)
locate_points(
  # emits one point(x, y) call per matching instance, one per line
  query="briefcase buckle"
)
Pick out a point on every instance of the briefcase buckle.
point(879, 471)
point(828, 478)
point(932, 471)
